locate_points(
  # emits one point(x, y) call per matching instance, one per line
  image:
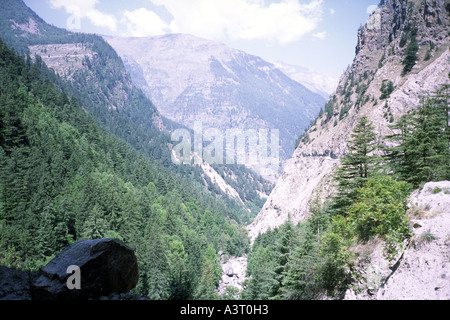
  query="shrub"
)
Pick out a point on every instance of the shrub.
point(386, 89)
point(334, 272)
point(437, 190)
point(427, 236)
point(380, 209)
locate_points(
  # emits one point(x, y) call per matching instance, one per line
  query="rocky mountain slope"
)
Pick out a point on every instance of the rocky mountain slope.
point(190, 78)
point(381, 49)
point(422, 270)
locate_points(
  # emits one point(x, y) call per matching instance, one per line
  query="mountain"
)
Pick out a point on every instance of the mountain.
point(381, 56)
point(64, 178)
point(87, 67)
point(84, 154)
point(361, 211)
point(190, 78)
point(314, 81)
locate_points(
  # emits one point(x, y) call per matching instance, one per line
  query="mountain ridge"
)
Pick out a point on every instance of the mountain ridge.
point(86, 66)
point(223, 87)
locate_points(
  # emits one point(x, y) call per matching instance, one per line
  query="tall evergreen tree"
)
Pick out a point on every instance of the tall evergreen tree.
point(423, 138)
point(410, 59)
point(284, 250)
point(357, 165)
point(299, 280)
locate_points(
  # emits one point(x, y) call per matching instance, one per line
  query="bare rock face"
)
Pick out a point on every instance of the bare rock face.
point(233, 274)
point(424, 270)
point(434, 198)
point(288, 200)
point(379, 57)
point(106, 266)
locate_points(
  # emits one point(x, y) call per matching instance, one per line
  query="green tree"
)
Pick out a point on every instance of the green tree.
point(357, 165)
point(177, 262)
point(154, 265)
point(334, 273)
point(299, 282)
point(284, 249)
point(422, 139)
point(211, 274)
point(410, 59)
point(95, 226)
point(386, 89)
point(261, 268)
point(380, 209)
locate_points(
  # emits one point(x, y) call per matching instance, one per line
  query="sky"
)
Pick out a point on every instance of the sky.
point(320, 35)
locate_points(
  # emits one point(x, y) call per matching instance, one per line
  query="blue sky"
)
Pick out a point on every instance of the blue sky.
point(317, 34)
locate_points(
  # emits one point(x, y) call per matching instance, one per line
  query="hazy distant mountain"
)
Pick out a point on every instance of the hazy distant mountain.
point(314, 81)
point(189, 78)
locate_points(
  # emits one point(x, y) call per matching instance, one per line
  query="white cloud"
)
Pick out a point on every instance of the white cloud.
point(86, 9)
point(283, 22)
point(332, 11)
point(142, 22)
point(320, 35)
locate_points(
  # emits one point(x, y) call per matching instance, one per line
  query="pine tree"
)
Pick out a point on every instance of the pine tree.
point(95, 225)
point(423, 138)
point(399, 158)
point(357, 165)
point(261, 268)
point(154, 262)
point(177, 260)
point(299, 281)
point(211, 274)
point(410, 58)
point(284, 250)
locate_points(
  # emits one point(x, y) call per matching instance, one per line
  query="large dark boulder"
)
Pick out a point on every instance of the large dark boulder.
point(106, 266)
point(14, 284)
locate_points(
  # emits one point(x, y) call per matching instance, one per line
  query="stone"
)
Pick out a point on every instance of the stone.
point(14, 284)
point(106, 266)
point(233, 274)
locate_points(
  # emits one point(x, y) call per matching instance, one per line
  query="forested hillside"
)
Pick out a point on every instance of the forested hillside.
point(95, 75)
point(322, 256)
point(64, 178)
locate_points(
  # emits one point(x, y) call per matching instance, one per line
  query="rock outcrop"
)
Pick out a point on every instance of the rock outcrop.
point(233, 273)
point(422, 270)
point(14, 284)
point(106, 266)
point(379, 56)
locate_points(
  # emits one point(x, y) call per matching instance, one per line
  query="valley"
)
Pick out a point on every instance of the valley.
point(358, 208)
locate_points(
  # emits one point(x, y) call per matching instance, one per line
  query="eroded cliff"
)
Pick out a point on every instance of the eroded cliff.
point(380, 59)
